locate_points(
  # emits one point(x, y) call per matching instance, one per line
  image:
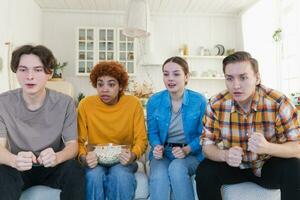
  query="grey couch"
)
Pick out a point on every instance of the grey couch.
point(46, 193)
point(245, 191)
point(248, 191)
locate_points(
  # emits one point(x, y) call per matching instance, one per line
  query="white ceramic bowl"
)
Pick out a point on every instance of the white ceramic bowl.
point(108, 154)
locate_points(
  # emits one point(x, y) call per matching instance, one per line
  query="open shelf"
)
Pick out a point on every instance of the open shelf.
point(206, 78)
point(204, 57)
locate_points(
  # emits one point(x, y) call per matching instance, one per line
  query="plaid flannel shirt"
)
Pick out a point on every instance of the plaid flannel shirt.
point(227, 125)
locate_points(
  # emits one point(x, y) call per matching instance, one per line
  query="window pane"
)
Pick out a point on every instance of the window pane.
point(90, 45)
point(82, 46)
point(90, 56)
point(130, 46)
point(102, 46)
point(102, 34)
point(130, 39)
point(81, 34)
point(89, 66)
point(81, 67)
point(110, 35)
point(110, 55)
point(110, 46)
point(123, 46)
point(90, 35)
point(102, 56)
point(122, 56)
point(130, 56)
point(81, 56)
point(130, 67)
point(122, 37)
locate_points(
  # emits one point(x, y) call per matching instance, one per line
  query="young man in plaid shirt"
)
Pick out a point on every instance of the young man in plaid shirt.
point(251, 133)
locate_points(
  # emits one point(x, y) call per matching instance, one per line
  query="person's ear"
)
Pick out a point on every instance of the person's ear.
point(187, 78)
point(258, 80)
point(50, 76)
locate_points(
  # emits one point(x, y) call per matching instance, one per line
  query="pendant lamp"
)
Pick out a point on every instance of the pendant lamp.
point(138, 18)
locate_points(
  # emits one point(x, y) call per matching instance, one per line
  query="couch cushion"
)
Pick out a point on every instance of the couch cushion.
point(40, 192)
point(141, 191)
point(249, 191)
point(46, 193)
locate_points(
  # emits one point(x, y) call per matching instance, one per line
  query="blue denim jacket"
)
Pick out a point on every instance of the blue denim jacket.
point(159, 117)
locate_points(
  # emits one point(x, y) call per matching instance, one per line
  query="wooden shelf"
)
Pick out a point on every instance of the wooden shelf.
point(151, 65)
point(206, 78)
point(204, 57)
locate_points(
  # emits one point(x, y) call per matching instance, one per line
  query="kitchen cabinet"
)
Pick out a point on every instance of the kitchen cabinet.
point(96, 44)
point(85, 50)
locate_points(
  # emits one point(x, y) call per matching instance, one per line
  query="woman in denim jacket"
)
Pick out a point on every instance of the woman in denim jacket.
point(174, 119)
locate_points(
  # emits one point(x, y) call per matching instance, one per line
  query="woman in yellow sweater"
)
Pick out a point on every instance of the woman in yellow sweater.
point(111, 117)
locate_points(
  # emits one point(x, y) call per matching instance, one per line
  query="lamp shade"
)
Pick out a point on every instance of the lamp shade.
point(138, 17)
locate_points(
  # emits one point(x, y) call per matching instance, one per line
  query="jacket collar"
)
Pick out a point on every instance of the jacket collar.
point(167, 98)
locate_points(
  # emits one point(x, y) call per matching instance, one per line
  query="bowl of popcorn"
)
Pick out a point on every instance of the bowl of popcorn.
point(108, 154)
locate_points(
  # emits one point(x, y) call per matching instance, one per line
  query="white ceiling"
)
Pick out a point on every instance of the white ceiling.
point(232, 7)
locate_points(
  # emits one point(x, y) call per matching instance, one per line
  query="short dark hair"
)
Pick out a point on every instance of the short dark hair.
point(180, 61)
point(45, 55)
point(240, 56)
point(113, 69)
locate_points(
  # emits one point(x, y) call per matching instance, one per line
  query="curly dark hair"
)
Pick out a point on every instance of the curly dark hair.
point(110, 68)
point(45, 55)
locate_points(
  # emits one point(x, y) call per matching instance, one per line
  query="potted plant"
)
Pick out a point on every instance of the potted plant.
point(57, 71)
point(142, 90)
point(80, 96)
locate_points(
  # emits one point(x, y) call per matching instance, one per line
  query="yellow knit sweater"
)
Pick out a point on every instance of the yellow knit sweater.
point(122, 123)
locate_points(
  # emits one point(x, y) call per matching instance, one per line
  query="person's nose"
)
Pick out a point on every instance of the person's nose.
point(170, 77)
point(105, 88)
point(236, 84)
point(30, 75)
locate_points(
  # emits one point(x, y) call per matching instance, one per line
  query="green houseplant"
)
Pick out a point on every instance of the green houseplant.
point(80, 97)
point(58, 69)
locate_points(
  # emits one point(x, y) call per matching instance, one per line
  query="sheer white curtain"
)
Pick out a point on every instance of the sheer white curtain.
point(258, 25)
point(279, 61)
point(290, 70)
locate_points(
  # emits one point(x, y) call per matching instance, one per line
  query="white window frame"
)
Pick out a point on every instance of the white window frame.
point(96, 50)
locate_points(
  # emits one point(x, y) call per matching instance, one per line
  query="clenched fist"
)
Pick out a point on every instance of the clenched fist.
point(233, 156)
point(24, 160)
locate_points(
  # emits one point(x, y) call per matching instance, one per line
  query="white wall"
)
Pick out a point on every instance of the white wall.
point(169, 33)
point(20, 23)
point(3, 39)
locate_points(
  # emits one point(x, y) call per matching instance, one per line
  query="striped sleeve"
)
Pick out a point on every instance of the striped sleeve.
point(211, 130)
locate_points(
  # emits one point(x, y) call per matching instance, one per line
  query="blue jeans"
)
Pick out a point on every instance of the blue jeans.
point(112, 183)
point(171, 174)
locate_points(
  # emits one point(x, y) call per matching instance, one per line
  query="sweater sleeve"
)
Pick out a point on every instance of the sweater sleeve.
point(140, 137)
point(82, 130)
